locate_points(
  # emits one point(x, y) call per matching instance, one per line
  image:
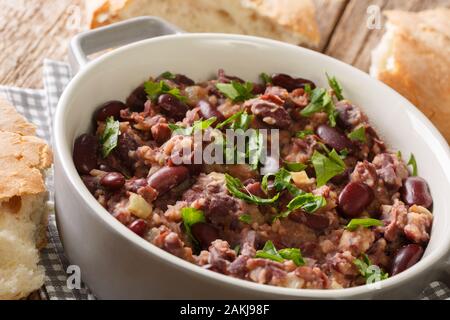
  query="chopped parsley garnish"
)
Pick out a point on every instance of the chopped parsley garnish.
point(270, 252)
point(302, 134)
point(236, 91)
point(307, 202)
point(363, 222)
point(110, 136)
point(190, 217)
point(372, 273)
point(327, 167)
point(266, 79)
point(358, 134)
point(281, 182)
point(321, 101)
point(167, 75)
point(295, 166)
point(198, 125)
point(246, 218)
point(335, 86)
point(155, 89)
point(308, 89)
point(255, 148)
point(235, 187)
point(240, 120)
point(412, 162)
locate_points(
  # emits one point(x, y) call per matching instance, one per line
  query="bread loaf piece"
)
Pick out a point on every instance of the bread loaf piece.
point(413, 58)
point(23, 204)
point(291, 21)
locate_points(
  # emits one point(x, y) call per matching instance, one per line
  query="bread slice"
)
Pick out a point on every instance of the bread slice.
point(291, 21)
point(24, 159)
point(413, 58)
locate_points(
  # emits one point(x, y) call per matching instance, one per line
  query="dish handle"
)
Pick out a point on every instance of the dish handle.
point(115, 35)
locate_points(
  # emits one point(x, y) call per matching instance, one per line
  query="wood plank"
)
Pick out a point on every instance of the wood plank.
point(352, 42)
point(328, 13)
point(32, 30)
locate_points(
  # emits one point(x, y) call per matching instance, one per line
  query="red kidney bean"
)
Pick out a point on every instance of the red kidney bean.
point(354, 198)
point(207, 111)
point(289, 83)
point(313, 221)
point(224, 78)
point(272, 114)
point(85, 153)
point(109, 109)
point(139, 227)
point(258, 88)
point(334, 138)
point(344, 118)
point(415, 191)
point(172, 107)
point(168, 177)
point(113, 180)
point(255, 189)
point(161, 132)
point(136, 100)
point(405, 258)
point(317, 222)
point(135, 184)
point(205, 233)
point(182, 79)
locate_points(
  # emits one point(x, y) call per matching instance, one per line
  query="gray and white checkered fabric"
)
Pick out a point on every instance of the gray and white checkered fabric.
point(39, 106)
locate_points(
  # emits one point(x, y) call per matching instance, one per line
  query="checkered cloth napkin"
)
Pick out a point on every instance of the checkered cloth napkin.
point(38, 106)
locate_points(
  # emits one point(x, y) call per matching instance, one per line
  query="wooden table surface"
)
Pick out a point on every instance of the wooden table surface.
point(31, 30)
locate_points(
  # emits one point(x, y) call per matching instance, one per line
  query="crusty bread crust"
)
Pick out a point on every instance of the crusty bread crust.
point(22, 160)
point(419, 62)
point(11, 121)
point(23, 209)
point(291, 20)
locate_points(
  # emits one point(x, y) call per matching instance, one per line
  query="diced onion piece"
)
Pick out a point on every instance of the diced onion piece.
point(301, 179)
point(139, 207)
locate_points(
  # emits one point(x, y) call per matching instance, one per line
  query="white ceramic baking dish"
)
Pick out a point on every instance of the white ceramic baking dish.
point(115, 262)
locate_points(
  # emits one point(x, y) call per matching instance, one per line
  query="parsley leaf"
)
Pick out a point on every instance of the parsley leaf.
point(335, 85)
point(281, 182)
point(308, 89)
point(321, 101)
point(239, 120)
point(412, 162)
point(307, 202)
point(246, 218)
point(293, 254)
point(255, 148)
point(266, 79)
point(327, 167)
point(358, 134)
point(110, 136)
point(235, 187)
point(295, 166)
point(236, 91)
point(302, 134)
point(197, 125)
point(372, 273)
point(190, 217)
point(364, 222)
point(270, 252)
point(167, 75)
point(155, 89)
